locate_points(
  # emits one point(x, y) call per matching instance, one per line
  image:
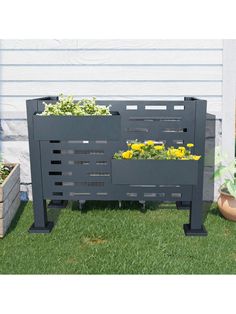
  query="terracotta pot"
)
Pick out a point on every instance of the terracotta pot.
point(227, 206)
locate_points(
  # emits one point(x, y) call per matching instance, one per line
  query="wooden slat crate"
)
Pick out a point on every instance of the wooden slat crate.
point(9, 199)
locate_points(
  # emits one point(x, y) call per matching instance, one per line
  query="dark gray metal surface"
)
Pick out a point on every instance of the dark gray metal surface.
point(76, 167)
point(174, 172)
point(77, 128)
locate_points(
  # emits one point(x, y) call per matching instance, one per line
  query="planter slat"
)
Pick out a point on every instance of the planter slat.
point(6, 221)
point(4, 206)
point(8, 184)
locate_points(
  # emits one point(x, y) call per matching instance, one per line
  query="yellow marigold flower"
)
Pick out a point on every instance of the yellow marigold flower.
point(150, 143)
point(184, 158)
point(136, 147)
point(195, 157)
point(182, 148)
point(142, 145)
point(129, 144)
point(171, 152)
point(127, 154)
point(190, 145)
point(179, 154)
point(159, 147)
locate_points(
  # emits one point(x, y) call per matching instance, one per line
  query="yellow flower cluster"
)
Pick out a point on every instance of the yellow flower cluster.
point(127, 154)
point(148, 150)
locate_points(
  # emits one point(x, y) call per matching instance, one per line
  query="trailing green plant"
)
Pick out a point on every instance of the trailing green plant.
point(66, 106)
point(226, 172)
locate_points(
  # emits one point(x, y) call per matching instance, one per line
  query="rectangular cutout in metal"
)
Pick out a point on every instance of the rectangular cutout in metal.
point(152, 119)
point(79, 193)
point(132, 194)
point(170, 130)
point(144, 130)
point(56, 151)
point(101, 142)
point(155, 107)
point(57, 193)
point(178, 142)
point(102, 193)
point(55, 173)
point(89, 152)
point(176, 195)
point(179, 107)
point(131, 107)
point(56, 162)
point(143, 185)
point(99, 174)
point(101, 163)
point(79, 162)
point(78, 142)
point(168, 186)
point(149, 194)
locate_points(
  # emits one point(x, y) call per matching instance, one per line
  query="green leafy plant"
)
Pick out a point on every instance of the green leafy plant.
point(4, 171)
point(226, 172)
point(66, 106)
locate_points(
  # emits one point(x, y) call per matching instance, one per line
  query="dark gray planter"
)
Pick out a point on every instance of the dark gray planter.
point(72, 157)
point(63, 128)
point(169, 172)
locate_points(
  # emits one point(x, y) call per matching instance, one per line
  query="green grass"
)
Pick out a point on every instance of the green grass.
point(118, 241)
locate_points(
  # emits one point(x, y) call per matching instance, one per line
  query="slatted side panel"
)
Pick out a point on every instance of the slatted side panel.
point(81, 170)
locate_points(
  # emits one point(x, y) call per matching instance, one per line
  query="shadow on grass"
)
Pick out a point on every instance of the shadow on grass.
point(125, 206)
point(215, 211)
point(53, 214)
point(16, 218)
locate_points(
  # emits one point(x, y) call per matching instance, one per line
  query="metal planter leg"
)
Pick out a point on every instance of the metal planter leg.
point(195, 226)
point(41, 224)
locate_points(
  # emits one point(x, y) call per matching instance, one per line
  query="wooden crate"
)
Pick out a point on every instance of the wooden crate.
point(9, 199)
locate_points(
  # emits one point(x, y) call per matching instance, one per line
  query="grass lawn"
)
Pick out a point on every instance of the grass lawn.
point(118, 241)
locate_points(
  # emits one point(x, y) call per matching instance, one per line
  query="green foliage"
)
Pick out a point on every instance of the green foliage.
point(4, 172)
point(226, 172)
point(66, 106)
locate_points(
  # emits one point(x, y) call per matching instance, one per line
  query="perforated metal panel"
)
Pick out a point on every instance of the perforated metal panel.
point(75, 170)
point(81, 169)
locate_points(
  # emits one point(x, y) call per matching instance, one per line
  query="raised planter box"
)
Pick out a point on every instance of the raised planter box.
point(63, 128)
point(173, 172)
point(68, 165)
point(9, 199)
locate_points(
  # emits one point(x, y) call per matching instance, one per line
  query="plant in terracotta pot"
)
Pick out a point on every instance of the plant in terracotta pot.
point(227, 198)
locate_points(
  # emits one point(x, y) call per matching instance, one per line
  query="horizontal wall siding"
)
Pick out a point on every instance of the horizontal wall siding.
point(111, 57)
point(112, 44)
point(107, 69)
point(91, 88)
point(117, 69)
point(111, 73)
point(110, 68)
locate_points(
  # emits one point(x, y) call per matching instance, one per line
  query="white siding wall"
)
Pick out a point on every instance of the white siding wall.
point(107, 69)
